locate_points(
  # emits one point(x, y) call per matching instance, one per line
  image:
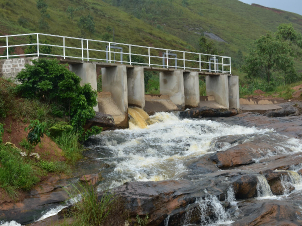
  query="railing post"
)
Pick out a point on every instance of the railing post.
point(109, 49)
point(7, 54)
point(184, 59)
point(38, 46)
point(230, 65)
point(167, 55)
point(87, 51)
point(64, 54)
point(199, 61)
point(149, 57)
point(222, 67)
point(215, 66)
point(130, 60)
point(82, 49)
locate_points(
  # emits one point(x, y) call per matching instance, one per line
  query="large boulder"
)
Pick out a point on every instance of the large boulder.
point(268, 212)
point(278, 181)
point(245, 186)
point(242, 154)
point(205, 112)
point(100, 120)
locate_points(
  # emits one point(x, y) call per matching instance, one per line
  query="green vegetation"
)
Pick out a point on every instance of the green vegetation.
point(275, 53)
point(53, 83)
point(91, 210)
point(51, 91)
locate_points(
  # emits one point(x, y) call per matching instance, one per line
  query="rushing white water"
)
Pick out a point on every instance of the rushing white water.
point(210, 204)
point(12, 223)
point(160, 151)
point(263, 189)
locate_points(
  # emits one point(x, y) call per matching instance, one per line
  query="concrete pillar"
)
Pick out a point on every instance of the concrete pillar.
point(136, 86)
point(87, 72)
point(191, 87)
point(218, 86)
point(171, 83)
point(234, 92)
point(114, 80)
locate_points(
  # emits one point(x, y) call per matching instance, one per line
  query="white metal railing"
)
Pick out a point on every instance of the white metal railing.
point(104, 51)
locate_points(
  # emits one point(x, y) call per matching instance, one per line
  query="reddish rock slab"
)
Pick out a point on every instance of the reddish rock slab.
point(90, 179)
point(242, 154)
point(269, 212)
point(274, 179)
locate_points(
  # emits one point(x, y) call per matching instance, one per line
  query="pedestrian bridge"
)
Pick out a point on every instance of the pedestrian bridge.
point(123, 67)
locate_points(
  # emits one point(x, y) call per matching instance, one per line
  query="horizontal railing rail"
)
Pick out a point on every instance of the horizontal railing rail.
point(47, 45)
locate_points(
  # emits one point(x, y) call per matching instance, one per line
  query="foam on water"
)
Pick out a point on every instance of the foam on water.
point(160, 151)
point(263, 189)
point(11, 223)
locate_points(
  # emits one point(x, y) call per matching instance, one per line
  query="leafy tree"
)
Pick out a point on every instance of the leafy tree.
point(54, 83)
point(86, 23)
point(274, 53)
point(70, 10)
point(42, 7)
point(185, 3)
point(207, 46)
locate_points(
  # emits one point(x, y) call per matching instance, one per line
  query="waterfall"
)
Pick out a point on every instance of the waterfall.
point(167, 220)
point(295, 177)
point(263, 188)
point(211, 210)
point(138, 118)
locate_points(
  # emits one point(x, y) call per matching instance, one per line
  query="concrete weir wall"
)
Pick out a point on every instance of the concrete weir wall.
point(87, 73)
point(225, 89)
point(136, 87)
point(191, 89)
point(171, 83)
point(114, 80)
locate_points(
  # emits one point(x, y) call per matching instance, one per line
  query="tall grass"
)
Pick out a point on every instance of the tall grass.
point(15, 173)
point(68, 142)
point(91, 210)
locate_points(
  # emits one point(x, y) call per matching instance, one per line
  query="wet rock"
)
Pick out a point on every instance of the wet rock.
point(242, 154)
point(101, 120)
point(90, 179)
point(167, 198)
point(245, 186)
point(268, 212)
point(207, 112)
point(274, 179)
point(200, 167)
point(31, 208)
point(288, 110)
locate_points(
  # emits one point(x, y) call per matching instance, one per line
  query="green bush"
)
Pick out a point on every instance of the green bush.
point(1, 133)
point(54, 83)
point(14, 172)
point(53, 167)
point(60, 127)
point(68, 142)
point(36, 132)
point(90, 210)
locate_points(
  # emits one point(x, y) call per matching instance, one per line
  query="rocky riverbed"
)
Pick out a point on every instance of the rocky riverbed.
point(238, 170)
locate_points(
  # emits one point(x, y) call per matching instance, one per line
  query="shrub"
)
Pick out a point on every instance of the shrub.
point(68, 142)
point(91, 210)
point(54, 83)
point(14, 172)
point(36, 131)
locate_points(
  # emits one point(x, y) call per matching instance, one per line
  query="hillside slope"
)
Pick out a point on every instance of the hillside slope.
point(176, 24)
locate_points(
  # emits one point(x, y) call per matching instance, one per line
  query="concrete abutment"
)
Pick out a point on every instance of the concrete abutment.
point(87, 73)
point(191, 89)
point(171, 83)
point(225, 89)
point(136, 87)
